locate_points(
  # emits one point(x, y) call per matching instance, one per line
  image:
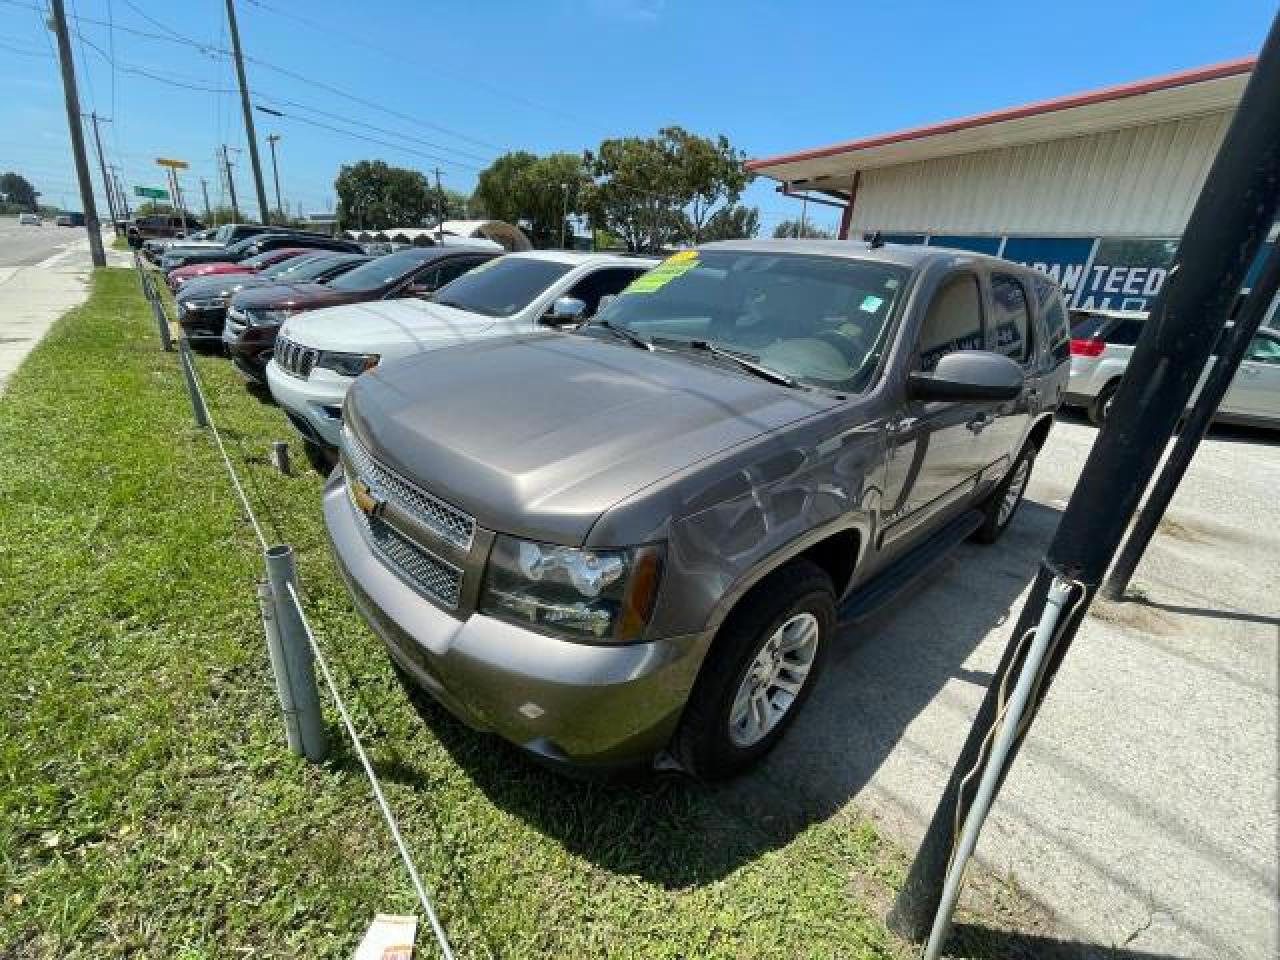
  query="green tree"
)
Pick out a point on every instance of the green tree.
point(655, 191)
point(17, 189)
point(536, 192)
point(797, 228)
point(732, 223)
point(375, 196)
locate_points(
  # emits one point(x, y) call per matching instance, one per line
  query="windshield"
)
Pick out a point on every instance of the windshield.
point(501, 287)
point(380, 272)
point(819, 320)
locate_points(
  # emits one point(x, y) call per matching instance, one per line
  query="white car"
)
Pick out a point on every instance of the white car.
point(30, 220)
point(319, 354)
point(1102, 342)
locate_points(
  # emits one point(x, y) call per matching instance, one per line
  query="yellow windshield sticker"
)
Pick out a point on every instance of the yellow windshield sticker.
point(661, 275)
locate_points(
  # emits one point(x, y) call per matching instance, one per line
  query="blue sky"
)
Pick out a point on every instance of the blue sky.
point(461, 82)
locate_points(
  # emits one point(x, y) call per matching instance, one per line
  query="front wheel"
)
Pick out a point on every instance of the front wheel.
point(759, 673)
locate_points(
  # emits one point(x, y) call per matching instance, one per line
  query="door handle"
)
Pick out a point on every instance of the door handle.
point(980, 422)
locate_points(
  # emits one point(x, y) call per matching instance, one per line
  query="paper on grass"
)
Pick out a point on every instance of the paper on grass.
point(389, 937)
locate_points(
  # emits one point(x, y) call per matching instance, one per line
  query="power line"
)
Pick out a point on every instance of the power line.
point(26, 53)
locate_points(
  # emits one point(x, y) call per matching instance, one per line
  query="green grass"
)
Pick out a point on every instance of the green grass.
point(149, 805)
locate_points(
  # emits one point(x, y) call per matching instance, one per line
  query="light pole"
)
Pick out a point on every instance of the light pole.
point(273, 139)
point(564, 212)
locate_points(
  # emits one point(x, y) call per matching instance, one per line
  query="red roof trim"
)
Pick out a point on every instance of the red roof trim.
point(1182, 78)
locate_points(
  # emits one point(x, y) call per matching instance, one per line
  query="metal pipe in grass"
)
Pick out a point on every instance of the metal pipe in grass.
point(295, 669)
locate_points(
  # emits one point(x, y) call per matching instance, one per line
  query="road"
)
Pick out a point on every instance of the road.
point(44, 272)
point(29, 246)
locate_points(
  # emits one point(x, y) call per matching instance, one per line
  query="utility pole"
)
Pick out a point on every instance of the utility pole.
point(231, 184)
point(121, 197)
point(102, 164)
point(564, 213)
point(208, 212)
point(440, 202)
point(273, 139)
point(77, 134)
point(248, 114)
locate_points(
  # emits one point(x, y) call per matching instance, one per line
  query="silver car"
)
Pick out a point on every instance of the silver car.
point(634, 543)
point(1102, 343)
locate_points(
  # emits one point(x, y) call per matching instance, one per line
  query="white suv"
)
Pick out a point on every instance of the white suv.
point(319, 354)
point(1102, 343)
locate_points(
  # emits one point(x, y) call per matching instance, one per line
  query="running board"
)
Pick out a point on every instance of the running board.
point(886, 586)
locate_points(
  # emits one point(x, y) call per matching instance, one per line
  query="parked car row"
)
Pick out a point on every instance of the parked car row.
point(614, 509)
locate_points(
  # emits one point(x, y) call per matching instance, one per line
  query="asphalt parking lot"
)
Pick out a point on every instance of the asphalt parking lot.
point(1143, 806)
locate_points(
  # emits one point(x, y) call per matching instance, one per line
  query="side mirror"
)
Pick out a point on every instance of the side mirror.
point(565, 311)
point(968, 376)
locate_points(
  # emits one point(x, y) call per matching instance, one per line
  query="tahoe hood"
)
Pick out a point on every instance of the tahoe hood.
point(539, 435)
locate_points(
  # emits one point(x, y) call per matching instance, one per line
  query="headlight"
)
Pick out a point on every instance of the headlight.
point(204, 303)
point(347, 364)
point(267, 318)
point(601, 596)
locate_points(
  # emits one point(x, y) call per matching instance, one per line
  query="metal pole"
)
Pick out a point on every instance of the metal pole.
point(297, 658)
point(177, 199)
point(1231, 218)
point(120, 194)
point(1234, 347)
point(279, 666)
point(564, 212)
point(1059, 594)
point(248, 114)
point(102, 164)
point(231, 184)
point(273, 139)
point(72, 98)
point(440, 204)
point(189, 374)
point(208, 211)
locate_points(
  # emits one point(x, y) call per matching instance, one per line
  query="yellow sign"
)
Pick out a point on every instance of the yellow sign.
point(657, 278)
point(172, 164)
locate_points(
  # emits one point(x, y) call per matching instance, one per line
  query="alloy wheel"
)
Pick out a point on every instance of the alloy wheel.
point(773, 680)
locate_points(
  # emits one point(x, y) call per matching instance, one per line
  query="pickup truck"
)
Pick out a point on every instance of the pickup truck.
point(634, 543)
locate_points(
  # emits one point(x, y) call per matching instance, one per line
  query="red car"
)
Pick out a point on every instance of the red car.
point(176, 278)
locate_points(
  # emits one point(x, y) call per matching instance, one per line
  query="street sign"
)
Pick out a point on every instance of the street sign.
point(152, 193)
point(172, 164)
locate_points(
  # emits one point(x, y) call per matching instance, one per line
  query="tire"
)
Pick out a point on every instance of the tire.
point(1101, 405)
point(321, 458)
point(795, 605)
point(1002, 506)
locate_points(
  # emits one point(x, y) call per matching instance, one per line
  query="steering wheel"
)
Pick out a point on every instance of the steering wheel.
point(849, 344)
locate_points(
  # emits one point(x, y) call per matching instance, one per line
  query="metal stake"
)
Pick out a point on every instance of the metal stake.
point(279, 668)
point(296, 659)
point(189, 374)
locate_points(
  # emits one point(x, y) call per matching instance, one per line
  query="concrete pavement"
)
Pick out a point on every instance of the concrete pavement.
point(1141, 812)
point(44, 272)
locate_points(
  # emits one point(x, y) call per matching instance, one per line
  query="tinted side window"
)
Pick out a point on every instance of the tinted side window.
point(454, 269)
point(1125, 332)
point(1010, 321)
point(953, 321)
point(1055, 319)
point(1264, 349)
point(602, 282)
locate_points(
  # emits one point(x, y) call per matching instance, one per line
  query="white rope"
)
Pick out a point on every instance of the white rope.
point(387, 815)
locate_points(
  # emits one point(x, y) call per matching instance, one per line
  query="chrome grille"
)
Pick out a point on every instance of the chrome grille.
point(294, 358)
point(443, 519)
point(237, 320)
point(439, 580)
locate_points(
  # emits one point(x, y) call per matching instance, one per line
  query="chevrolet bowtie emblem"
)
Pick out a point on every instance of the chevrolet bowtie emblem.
point(370, 504)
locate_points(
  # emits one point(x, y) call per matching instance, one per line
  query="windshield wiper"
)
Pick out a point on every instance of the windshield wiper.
point(630, 336)
point(761, 371)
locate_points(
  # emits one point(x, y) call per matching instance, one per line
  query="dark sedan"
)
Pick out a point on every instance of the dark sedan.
point(255, 314)
point(202, 303)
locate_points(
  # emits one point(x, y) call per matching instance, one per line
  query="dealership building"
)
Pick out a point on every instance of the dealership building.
point(1094, 189)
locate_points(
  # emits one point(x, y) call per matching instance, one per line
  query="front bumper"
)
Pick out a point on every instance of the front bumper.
point(314, 405)
point(574, 704)
point(202, 324)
